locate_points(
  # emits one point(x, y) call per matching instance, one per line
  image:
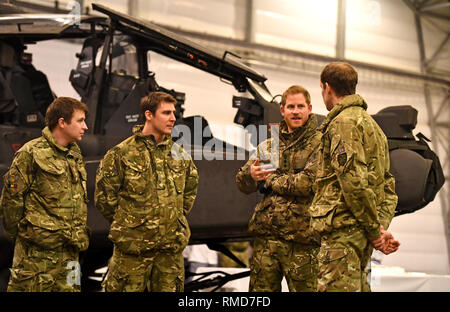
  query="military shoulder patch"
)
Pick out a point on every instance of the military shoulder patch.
point(342, 156)
point(12, 181)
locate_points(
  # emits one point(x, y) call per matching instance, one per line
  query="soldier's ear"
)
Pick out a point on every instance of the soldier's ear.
point(61, 122)
point(328, 88)
point(148, 115)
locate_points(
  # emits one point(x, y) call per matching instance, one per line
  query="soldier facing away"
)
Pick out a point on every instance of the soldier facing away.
point(283, 244)
point(44, 200)
point(145, 187)
point(354, 191)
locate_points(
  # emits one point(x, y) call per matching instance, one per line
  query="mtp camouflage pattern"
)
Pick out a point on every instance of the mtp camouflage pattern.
point(156, 272)
point(146, 190)
point(44, 204)
point(283, 213)
point(55, 267)
point(273, 259)
point(342, 259)
point(354, 192)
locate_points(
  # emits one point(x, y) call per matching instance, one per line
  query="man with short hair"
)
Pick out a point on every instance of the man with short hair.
point(284, 245)
point(146, 186)
point(44, 203)
point(354, 191)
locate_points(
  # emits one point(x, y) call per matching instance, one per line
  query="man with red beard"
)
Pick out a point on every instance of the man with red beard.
point(283, 243)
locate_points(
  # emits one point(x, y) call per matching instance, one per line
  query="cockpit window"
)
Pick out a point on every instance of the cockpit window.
point(124, 57)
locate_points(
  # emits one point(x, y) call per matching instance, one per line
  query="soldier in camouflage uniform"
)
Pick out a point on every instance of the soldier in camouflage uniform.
point(283, 243)
point(145, 187)
point(43, 203)
point(354, 192)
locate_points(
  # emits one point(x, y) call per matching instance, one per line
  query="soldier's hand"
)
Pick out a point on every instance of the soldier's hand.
point(391, 247)
point(260, 173)
point(378, 243)
point(391, 244)
point(381, 242)
point(386, 242)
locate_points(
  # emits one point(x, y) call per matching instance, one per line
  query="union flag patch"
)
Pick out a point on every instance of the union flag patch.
point(342, 156)
point(12, 181)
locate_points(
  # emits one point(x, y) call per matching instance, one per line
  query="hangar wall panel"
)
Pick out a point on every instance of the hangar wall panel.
point(382, 32)
point(214, 17)
point(308, 26)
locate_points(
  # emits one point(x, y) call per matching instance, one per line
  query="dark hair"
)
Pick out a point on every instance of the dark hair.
point(296, 89)
point(62, 107)
point(341, 76)
point(151, 101)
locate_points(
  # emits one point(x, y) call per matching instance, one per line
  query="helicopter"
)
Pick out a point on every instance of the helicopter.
point(112, 75)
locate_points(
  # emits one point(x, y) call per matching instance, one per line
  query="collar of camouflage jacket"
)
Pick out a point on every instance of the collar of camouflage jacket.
point(298, 134)
point(346, 102)
point(72, 149)
point(150, 139)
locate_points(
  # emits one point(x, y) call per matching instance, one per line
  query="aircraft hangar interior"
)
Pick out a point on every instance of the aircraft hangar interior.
point(401, 50)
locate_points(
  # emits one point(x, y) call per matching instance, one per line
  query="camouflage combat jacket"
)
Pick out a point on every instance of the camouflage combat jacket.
point(283, 213)
point(146, 191)
point(353, 184)
point(44, 195)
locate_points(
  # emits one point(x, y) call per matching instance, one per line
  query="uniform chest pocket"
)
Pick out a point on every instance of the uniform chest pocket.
point(136, 177)
point(299, 161)
point(51, 176)
point(176, 172)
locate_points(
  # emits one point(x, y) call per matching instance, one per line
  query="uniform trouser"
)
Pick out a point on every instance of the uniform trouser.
point(272, 259)
point(157, 271)
point(36, 269)
point(343, 258)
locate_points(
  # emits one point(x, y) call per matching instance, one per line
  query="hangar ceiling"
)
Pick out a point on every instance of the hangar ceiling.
point(437, 15)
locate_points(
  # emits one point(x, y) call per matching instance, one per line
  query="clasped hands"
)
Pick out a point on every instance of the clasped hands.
point(386, 242)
